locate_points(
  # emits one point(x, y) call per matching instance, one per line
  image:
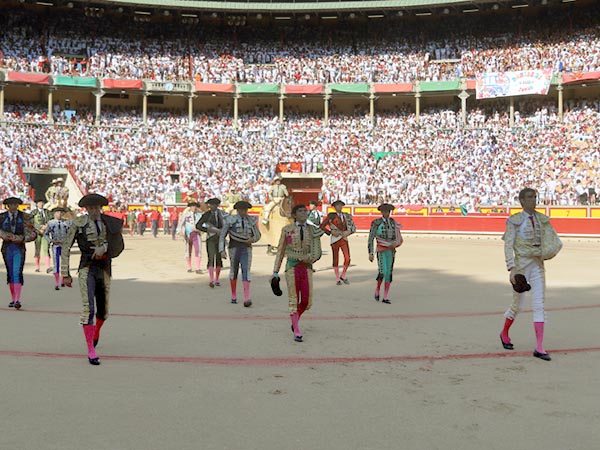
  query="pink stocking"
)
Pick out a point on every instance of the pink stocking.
point(378, 288)
point(18, 287)
point(507, 324)
point(539, 336)
point(386, 290)
point(88, 332)
point(246, 290)
point(233, 284)
point(295, 325)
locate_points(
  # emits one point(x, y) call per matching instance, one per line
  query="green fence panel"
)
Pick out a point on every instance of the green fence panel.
point(62, 80)
point(350, 88)
point(438, 86)
point(259, 88)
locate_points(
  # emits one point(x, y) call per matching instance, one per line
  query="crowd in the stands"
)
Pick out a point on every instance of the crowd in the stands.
point(114, 47)
point(391, 158)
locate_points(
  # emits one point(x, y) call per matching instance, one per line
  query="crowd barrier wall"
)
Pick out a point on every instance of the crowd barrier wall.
point(479, 224)
point(568, 221)
point(574, 221)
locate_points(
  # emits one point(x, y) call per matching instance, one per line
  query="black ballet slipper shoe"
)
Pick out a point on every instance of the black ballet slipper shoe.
point(544, 356)
point(506, 345)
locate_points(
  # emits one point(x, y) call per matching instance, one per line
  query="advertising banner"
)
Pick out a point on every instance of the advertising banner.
point(508, 84)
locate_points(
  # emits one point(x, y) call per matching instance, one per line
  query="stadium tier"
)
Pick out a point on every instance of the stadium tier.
point(142, 109)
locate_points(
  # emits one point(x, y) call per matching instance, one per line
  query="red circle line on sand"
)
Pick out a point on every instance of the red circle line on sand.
point(286, 360)
point(441, 315)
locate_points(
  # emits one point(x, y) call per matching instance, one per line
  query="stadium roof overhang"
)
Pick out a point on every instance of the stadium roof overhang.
point(303, 6)
point(244, 12)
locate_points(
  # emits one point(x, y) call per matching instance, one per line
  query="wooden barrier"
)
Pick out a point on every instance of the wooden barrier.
point(573, 221)
point(479, 224)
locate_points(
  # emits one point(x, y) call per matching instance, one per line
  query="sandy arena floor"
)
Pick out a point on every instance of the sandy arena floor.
point(182, 368)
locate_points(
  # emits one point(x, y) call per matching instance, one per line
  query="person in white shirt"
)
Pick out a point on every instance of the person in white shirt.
point(524, 258)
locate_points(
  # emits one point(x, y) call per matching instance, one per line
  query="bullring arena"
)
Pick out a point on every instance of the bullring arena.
point(445, 109)
point(182, 368)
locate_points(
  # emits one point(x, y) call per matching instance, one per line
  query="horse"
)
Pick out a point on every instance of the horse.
point(285, 207)
point(278, 218)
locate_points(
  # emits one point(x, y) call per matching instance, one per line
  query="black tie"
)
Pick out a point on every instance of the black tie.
point(243, 225)
point(218, 225)
point(13, 222)
point(97, 227)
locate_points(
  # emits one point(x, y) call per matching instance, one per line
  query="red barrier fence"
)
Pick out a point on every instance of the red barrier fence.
point(567, 220)
point(574, 220)
point(479, 224)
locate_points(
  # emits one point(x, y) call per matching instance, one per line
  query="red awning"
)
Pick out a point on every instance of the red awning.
point(393, 88)
point(578, 77)
point(214, 87)
point(306, 89)
point(33, 78)
point(471, 85)
point(121, 84)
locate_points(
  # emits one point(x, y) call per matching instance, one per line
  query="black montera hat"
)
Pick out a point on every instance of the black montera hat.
point(213, 201)
point(385, 207)
point(93, 200)
point(521, 285)
point(242, 204)
point(12, 201)
point(275, 286)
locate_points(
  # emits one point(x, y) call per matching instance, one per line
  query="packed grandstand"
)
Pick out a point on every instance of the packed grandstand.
point(369, 148)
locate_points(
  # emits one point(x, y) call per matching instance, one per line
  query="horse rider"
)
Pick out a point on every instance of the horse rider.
point(277, 192)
